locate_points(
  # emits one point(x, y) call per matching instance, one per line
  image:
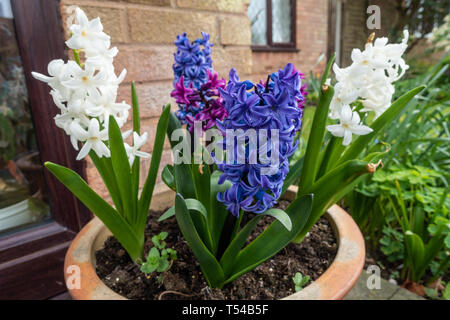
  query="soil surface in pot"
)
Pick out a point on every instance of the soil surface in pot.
point(184, 280)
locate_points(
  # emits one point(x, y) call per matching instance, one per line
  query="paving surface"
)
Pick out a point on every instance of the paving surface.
point(386, 291)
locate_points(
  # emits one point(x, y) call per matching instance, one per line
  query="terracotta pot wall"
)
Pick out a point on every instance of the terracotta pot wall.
point(334, 284)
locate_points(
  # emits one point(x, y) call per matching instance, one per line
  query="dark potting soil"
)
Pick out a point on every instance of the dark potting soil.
point(184, 280)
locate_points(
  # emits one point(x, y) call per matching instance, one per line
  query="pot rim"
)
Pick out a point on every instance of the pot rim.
point(333, 284)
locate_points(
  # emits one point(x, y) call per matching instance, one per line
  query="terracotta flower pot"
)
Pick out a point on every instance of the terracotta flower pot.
point(334, 284)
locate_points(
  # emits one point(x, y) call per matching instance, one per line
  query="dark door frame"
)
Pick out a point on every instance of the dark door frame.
point(31, 261)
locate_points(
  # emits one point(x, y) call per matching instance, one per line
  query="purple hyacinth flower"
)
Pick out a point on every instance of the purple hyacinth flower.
point(265, 106)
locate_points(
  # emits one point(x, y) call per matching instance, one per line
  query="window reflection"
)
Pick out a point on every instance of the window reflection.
point(281, 21)
point(22, 188)
point(257, 12)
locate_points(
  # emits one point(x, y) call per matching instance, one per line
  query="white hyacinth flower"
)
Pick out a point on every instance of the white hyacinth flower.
point(344, 94)
point(102, 56)
point(368, 79)
point(86, 93)
point(392, 53)
point(367, 60)
point(74, 111)
point(87, 81)
point(93, 139)
point(133, 151)
point(58, 73)
point(87, 35)
point(350, 124)
point(106, 105)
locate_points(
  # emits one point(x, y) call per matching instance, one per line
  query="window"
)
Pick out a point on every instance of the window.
point(38, 216)
point(273, 25)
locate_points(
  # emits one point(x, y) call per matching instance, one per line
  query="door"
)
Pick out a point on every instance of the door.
point(38, 216)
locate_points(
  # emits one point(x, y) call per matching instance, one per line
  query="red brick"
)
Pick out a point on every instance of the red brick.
point(162, 26)
point(145, 63)
point(214, 5)
point(151, 96)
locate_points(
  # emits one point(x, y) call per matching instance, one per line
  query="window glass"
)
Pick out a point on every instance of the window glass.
point(23, 196)
point(257, 12)
point(281, 21)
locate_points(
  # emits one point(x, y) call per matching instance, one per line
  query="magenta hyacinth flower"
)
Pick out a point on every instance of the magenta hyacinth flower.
point(213, 108)
point(182, 93)
point(196, 84)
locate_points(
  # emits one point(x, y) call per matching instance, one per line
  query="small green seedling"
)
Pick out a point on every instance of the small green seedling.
point(434, 294)
point(159, 256)
point(299, 281)
point(446, 293)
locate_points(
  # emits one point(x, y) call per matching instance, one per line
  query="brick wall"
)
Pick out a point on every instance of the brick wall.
point(311, 33)
point(144, 31)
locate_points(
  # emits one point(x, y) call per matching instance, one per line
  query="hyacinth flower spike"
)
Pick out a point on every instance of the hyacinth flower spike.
point(85, 94)
point(196, 84)
point(339, 169)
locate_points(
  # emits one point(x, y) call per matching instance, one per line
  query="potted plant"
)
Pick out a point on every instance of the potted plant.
point(217, 184)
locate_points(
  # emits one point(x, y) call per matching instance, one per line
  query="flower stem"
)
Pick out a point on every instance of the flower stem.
point(227, 234)
point(237, 225)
